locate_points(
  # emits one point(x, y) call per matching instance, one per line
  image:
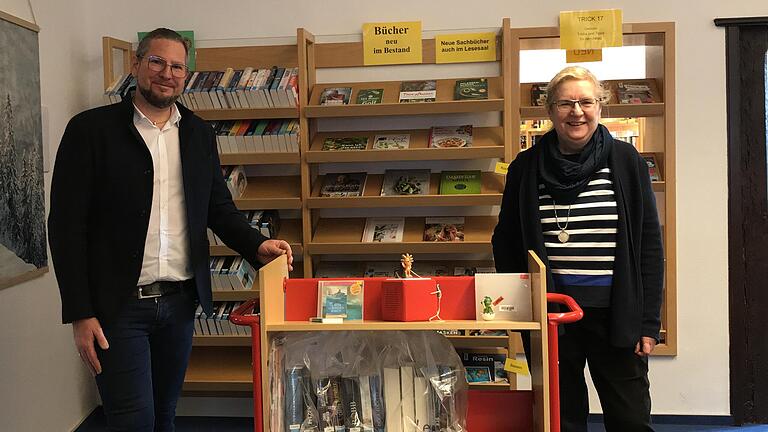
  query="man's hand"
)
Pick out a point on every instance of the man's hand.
point(645, 346)
point(272, 249)
point(85, 331)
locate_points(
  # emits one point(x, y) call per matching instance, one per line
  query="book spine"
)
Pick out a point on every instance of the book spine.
point(350, 395)
point(294, 399)
point(378, 410)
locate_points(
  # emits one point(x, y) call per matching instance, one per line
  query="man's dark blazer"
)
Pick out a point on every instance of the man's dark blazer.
point(101, 195)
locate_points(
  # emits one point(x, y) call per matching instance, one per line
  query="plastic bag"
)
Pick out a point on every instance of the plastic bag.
point(357, 381)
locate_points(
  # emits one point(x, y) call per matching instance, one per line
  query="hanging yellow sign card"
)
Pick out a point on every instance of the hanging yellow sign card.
point(392, 43)
point(590, 29)
point(465, 48)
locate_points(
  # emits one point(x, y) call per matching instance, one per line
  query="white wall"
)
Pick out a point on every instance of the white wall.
point(43, 386)
point(694, 382)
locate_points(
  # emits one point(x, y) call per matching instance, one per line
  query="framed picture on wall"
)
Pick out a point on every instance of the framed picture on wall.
point(23, 248)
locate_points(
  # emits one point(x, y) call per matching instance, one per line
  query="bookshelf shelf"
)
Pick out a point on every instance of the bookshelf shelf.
point(259, 158)
point(389, 325)
point(248, 113)
point(487, 142)
point(268, 192)
point(389, 105)
point(492, 189)
point(221, 340)
point(206, 373)
point(290, 231)
point(234, 295)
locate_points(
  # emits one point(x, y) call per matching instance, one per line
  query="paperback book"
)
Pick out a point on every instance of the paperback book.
point(343, 184)
point(634, 92)
point(345, 143)
point(444, 229)
point(370, 96)
point(450, 136)
point(460, 182)
point(471, 89)
point(538, 94)
point(336, 96)
point(384, 230)
point(405, 182)
point(653, 168)
point(418, 91)
point(391, 141)
point(340, 299)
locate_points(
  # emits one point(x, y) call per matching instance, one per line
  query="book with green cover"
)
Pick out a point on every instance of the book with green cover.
point(391, 141)
point(460, 182)
point(467, 89)
point(345, 143)
point(369, 96)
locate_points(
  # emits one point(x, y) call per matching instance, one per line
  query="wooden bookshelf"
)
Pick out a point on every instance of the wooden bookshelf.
point(248, 113)
point(213, 369)
point(270, 192)
point(272, 158)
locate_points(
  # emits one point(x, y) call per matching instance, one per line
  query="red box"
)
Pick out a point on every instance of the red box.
point(408, 299)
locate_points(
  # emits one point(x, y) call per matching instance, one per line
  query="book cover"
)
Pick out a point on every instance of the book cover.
point(418, 91)
point(336, 96)
point(331, 293)
point(370, 96)
point(345, 143)
point(407, 396)
point(509, 294)
point(294, 398)
point(491, 358)
point(392, 400)
point(450, 136)
point(366, 408)
point(460, 182)
point(444, 229)
point(384, 230)
point(378, 411)
point(343, 184)
point(478, 374)
point(350, 396)
point(634, 92)
point(405, 182)
point(391, 141)
point(653, 168)
point(471, 89)
point(538, 94)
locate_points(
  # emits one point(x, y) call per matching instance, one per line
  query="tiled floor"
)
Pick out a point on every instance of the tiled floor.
point(95, 423)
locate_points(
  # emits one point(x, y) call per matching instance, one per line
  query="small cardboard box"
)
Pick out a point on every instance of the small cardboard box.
point(411, 299)
point(511, 293)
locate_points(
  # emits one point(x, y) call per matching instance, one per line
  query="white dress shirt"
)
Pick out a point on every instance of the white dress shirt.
point(166, 248)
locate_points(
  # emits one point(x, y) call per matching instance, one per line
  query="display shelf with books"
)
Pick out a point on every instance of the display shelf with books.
point(391, 104)
point(491, 188)
point(344, 236)
point(647, 97)
point(275, 192)
point(487, 142)
point(301, 295)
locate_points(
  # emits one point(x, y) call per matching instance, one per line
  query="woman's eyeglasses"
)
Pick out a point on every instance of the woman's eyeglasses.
point(565, 105)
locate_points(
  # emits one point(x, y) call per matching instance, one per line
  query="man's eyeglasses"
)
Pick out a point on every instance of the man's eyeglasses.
point(565, 105)
point(158, 64)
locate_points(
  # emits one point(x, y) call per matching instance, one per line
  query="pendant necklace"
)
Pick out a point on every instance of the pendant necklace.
point(563, 235)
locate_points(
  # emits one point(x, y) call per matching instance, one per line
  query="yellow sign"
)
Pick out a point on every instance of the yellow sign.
point(392, 43)
point(590, 29)
point(501, 168)
point(581, 56)
point(464, 48)
point(519, 367)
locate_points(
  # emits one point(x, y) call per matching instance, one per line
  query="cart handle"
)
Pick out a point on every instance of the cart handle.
point(243, 315)
point(573, 315)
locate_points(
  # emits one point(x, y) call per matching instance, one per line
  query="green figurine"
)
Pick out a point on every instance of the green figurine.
point(488, 313)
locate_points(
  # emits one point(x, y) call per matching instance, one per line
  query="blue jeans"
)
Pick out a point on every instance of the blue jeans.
point(143, 369)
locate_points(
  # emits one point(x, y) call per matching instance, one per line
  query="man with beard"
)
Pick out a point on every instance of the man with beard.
point(134, 188)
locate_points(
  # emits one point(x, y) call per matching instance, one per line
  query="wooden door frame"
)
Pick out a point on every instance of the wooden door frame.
point(746, 46)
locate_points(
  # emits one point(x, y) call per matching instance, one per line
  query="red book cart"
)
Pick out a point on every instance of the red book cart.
point(502, 410)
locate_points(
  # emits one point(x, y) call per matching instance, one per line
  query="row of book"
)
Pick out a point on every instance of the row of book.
point(439, 137)
point(275, 87)
point(266, 221)
point(399, 399)
point(410, 92)
point(256, 136)
point(637, 91)
point(231, 273)
point(352, 269)
point(217, 324)
point(402, 182)
point(436, 229)
point(118, 88)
